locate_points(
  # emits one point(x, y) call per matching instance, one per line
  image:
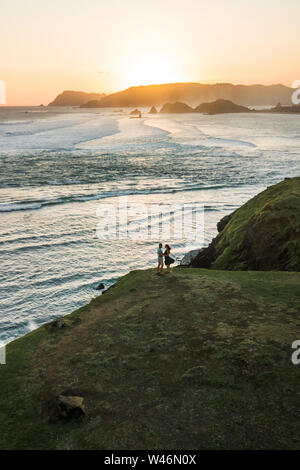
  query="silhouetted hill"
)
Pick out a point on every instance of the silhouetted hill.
point(176, 108)
point(293, 109)
point(135, 112)
point(153, 110)
point(221, 107)
point(195, 93)
point(75, 98)
point(215, 107)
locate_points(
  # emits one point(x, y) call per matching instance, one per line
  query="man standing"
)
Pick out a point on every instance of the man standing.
point(160, 258)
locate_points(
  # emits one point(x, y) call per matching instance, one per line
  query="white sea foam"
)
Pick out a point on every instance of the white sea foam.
point(10, 207)
point(133, 134)
point(32, 325)
point(62, 131)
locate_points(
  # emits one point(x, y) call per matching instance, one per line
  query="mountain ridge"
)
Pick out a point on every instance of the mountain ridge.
point(74, 98)
point(194, 94)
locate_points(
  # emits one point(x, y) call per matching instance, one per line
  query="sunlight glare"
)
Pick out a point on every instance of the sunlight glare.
point(153, 69)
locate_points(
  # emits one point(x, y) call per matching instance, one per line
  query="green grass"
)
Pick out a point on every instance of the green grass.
point(263, 234)
point(191, 360)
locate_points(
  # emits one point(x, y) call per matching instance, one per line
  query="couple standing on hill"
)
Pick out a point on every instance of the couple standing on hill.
point(161, 255)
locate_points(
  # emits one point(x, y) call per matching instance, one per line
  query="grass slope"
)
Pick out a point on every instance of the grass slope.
point(263, 234)
point(191, 360)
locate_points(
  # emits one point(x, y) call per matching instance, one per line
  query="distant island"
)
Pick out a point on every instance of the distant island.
point(75, 98)
point(220, 107)
point(216, 107)
point(192, 94)
point(153, 110)
point(253, 95)
point(286, 109)
point(224, 106)
point(177, 107)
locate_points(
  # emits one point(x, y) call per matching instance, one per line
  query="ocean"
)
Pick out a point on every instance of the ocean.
point(59, 165)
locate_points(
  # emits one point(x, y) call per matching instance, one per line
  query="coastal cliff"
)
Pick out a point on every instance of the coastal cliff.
point(263, 234)
point(75, 98)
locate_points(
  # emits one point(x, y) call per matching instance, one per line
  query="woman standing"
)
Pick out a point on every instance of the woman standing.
point(168, 259)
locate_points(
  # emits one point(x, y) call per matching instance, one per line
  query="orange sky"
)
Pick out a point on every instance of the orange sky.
point(105, 46)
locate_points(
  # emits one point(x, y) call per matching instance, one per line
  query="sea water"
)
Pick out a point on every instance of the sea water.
point(58, 165)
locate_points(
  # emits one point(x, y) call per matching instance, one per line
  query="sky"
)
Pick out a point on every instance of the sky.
point(47, 46)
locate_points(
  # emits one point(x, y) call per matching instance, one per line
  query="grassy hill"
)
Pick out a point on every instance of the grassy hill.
point(263, 234)
point(193, 359)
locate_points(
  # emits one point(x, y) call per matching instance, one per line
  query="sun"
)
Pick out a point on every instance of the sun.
point(152, 69)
